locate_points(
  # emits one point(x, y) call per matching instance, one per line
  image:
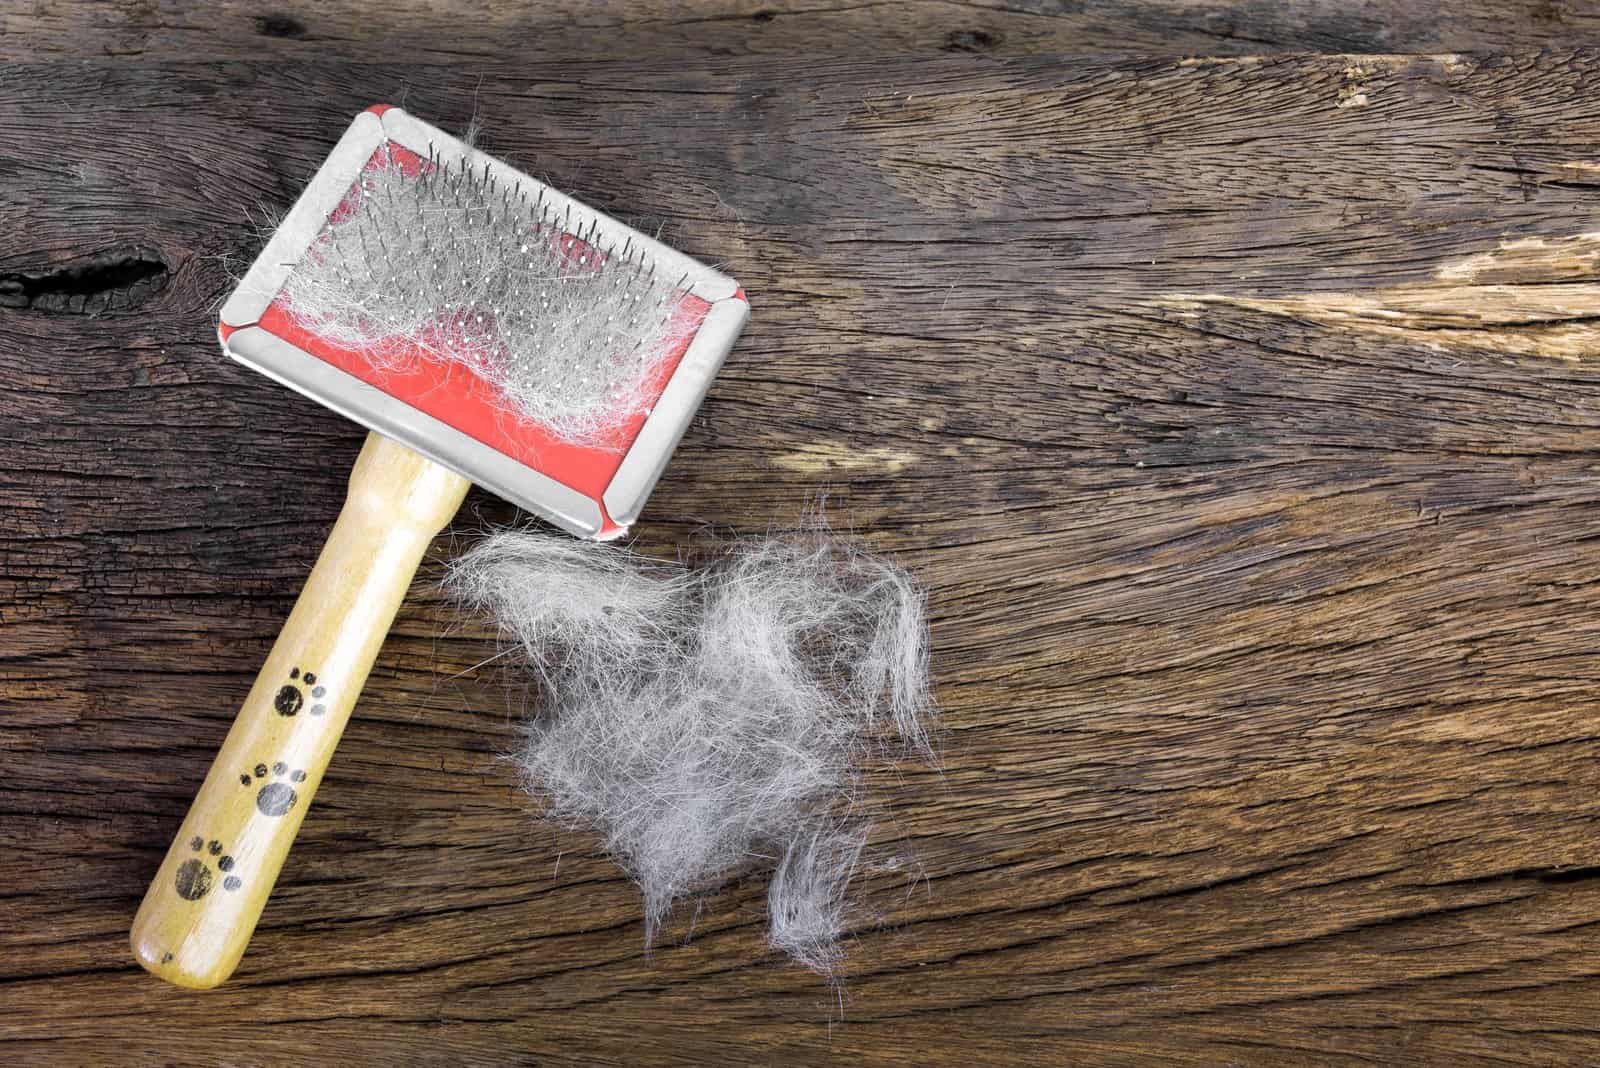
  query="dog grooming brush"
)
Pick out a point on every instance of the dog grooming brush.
point(484, 328)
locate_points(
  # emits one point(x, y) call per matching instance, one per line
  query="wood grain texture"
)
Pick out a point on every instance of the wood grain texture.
point(1237, 414)
point(471, 31)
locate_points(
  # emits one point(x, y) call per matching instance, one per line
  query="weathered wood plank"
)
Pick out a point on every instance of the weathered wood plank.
point(1241, 416)
point(469, 32)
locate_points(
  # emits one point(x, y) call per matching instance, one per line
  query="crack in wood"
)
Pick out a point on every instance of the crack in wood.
point(109, 281)
point(280, 25)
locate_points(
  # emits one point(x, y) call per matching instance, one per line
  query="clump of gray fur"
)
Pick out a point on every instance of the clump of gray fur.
point(705, 718)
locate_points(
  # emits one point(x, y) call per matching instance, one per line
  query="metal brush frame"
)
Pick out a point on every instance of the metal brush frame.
point(522, 485)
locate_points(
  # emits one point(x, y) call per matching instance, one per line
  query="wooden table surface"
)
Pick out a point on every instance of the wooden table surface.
point(1241, 416)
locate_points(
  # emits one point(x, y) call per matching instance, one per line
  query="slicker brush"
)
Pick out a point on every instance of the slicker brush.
point(486, 329)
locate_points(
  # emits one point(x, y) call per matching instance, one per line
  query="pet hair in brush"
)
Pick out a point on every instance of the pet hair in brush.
point(451, 265)
point(508, 331)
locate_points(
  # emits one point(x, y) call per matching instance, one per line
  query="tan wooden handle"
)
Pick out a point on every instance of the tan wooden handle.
point(203, 905)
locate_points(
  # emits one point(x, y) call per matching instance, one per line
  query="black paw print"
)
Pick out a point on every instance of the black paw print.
point(195, 877)
point(276, 797)
point(291, 696)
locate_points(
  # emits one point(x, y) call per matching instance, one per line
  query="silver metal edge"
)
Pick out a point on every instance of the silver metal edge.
point(630, 487)
point(260, 285)
point(706, 283)
point(440, 442)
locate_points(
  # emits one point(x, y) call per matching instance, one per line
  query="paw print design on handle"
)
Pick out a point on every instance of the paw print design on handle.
point(195, 877)
point(276, 797)
point(291, 696)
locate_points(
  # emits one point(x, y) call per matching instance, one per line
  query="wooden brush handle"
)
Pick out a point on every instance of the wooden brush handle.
point(199, 912)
